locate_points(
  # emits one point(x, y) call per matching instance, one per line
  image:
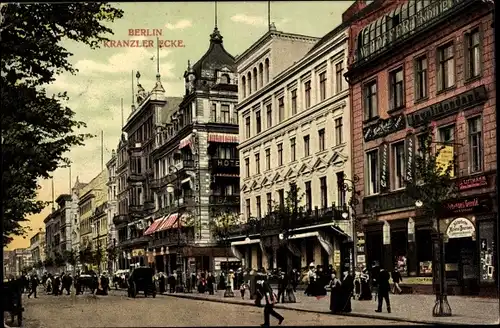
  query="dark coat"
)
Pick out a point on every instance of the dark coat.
point(383, 282)
point(396, 276)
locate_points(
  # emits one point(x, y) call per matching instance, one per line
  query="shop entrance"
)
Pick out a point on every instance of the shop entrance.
point(461, 264)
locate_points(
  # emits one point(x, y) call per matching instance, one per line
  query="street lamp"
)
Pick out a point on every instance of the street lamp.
point(441, 307)
point(349, 185)
point(180, 261)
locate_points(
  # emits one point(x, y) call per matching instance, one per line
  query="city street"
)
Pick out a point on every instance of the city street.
point(116, 310)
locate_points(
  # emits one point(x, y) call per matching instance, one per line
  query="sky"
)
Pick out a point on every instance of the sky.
point(105, 74)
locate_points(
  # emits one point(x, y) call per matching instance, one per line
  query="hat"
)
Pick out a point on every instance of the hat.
point(312, 264)
point(231, 270)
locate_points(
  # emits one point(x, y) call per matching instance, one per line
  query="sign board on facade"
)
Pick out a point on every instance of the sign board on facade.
point(411, 230)
point(360, 259)
point(386, 233)
point(460, 228)
point(474, 204)
point(384, 166)
point(410, 157)
point(444, 160)
point(336, 257)
point(471, 183)
point(384, 127)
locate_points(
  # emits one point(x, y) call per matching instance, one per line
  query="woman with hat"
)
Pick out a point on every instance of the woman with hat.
point(312, 280)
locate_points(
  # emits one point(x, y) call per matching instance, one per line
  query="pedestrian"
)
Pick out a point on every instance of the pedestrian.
point(161, 282)
point(335, 293)
point(347, 288)
point(211, 283)
point(311, 277)
point(289, 289)
point(271, 299)
point(48, 289)
point(34, 286)
point(243, 287)
point(384, 287)
point(295, 276)
point(396, 279)
point(281, 287)
point(366, 294)
point(374, 277)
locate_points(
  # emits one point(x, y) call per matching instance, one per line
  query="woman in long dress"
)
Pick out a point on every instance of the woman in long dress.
point(366, 294)
point(347, 288)
point(335, 293)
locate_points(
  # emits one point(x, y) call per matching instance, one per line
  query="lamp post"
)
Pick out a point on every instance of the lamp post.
point(349, 185)
point(180, 260)
point(441, 307)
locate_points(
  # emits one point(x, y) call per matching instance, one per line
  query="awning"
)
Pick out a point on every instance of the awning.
point(156, 223)
point(223, 138)
point(245, 242)
point(304, 235)
point(187, 141)
point(236, 253)
point(168, 222)
point(327, 246)
point(293, 249)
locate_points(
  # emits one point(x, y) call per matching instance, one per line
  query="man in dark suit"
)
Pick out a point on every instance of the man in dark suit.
point(384, 287)
point(270, 297)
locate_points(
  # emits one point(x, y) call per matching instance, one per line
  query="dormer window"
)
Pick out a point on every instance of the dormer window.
point(224, 79)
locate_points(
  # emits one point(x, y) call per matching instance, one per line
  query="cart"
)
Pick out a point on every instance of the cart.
point(12, 300)
point(141, 279)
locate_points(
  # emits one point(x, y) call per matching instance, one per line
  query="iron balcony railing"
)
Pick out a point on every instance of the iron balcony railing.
point(223, 119)
point(120, 219)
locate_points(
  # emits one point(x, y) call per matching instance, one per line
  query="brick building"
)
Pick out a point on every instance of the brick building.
point(410, 61)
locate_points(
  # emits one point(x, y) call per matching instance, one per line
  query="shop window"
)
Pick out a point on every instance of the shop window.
point(399, 241)
point(487, 253)
point(424, 252)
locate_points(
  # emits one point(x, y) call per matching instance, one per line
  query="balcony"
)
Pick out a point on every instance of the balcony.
point(161, 182)
point(223, 119)
point(224, 163)
point(120, 219)
point(224, 200)
point(171, 238)
point(136, 177)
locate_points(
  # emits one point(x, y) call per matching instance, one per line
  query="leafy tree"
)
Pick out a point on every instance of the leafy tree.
point(71, 257)
point(59, 260)
point(97, 257)
point(85, 255)
point(37, 129)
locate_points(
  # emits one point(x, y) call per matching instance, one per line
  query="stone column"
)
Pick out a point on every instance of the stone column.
point(387, 261)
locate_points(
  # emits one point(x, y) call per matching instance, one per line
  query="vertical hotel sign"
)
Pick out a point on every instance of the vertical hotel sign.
point(384, 166)
point(410, 158)
point(444, 160)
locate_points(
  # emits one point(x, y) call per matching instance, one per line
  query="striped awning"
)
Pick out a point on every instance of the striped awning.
point(154, 226)
point(169, 222)
point(187, 141)
point(223, 137)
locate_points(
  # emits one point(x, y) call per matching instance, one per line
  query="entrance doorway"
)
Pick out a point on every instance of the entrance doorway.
point(461, 265)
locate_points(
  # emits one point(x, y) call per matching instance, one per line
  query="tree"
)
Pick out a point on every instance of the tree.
point(71, 257)
point(97, 257)
point(49, 262)
point(85, 255)
point(59, 260)
point(37, 129)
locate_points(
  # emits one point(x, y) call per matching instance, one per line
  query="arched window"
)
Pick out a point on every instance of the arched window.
point(255, 78)
point(224, 79)
point(261, 75)
point(249, 81)
point(266, 69)
point(244, 86)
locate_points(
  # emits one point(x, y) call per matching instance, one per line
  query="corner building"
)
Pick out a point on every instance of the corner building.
point(294, 120)
point(416, 60)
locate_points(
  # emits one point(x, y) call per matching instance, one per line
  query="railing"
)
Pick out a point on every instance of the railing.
point(224, 200)
point(120, 219)
point(136, 177)
point(223, 119)
point(161, 182)
point(136, 208)
point(171, 238)
point(224, 162)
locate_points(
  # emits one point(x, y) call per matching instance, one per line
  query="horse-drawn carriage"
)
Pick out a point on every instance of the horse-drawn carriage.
point(141, 279)
point(12, 300)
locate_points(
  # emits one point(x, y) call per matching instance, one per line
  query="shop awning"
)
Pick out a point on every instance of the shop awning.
point(245, 242)
point(155, 225)
point(327, 246)
point(187, 141)
point(169, 222)
point(223, 137)
point(236, 253)
point(304, 235)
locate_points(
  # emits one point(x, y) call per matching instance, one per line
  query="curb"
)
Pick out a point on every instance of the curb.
point(279, 306)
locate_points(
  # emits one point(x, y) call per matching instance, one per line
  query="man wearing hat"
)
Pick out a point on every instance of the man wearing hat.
point(266, 290)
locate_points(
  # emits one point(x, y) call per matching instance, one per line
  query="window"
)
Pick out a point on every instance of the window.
point(324, 192)
point(308, 195)
point(306, 146)
point(269, 111)
point(396, 88)
point(255, 78)
point(371, 110)
point(372, 172)
point(473, 54)
point(244, 86)
point(268, 159)
point(398, 158)
point(258, 121)
point(280, 154)
point(224, 79)
point(247, 127)
point(213, 115)
point(475, 144)
point(321, 139)
point(338, 131)
point(322, 86)
point(249, 81)
point(269, 202)
point(281, 197)
point(339, 70)
point(446, 67)
point(266, 70)
point(307, 94)
point(248, 208)
point(293, 154)
point(257, 203)
point(261, 75)
point(341, 189)
point(257, 163)
point(294, 102)
point(247, 167)
point(446, 134)
point(281, 109)
point(225, 113)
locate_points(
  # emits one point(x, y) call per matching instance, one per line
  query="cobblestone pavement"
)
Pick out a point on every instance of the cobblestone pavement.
point(116, 310)
point(410, 307)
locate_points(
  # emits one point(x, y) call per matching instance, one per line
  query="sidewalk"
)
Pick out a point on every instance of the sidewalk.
point(408, 308)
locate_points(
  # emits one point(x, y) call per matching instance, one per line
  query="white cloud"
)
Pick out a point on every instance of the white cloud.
point(180, 25)
point(256, 20)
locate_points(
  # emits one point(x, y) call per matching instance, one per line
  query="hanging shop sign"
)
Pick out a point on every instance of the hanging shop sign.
point(474, 204)
point(444, 160)
point(384, 127)
point(471, 183)
point(460, 228)
point(187, 141)
point(449, 106)
point(411, 230)
point(386, 233)
point(384, 166)
point(410, 157)
point(137, 252)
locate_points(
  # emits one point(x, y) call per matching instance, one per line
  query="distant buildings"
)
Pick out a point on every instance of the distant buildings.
point(16, 262)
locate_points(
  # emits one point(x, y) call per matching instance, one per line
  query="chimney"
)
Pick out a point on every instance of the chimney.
point(357, 6)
